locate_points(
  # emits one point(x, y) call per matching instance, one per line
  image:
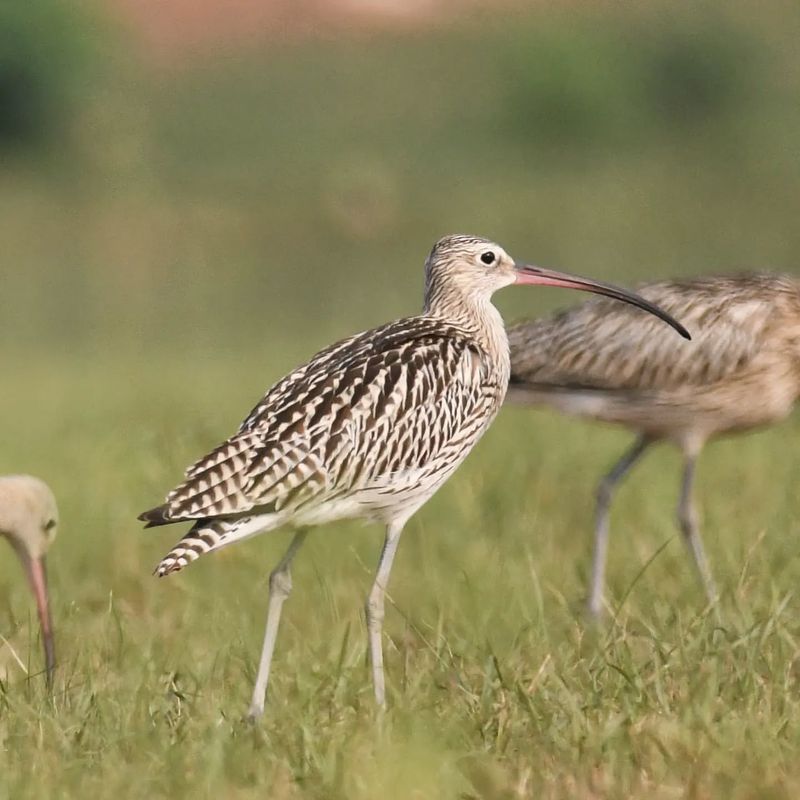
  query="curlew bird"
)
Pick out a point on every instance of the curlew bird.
point(29, 520)
point(600, 360)
point(370, 427)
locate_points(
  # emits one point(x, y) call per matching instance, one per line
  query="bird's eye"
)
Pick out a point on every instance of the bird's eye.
point(50, 524)
point(488, 257)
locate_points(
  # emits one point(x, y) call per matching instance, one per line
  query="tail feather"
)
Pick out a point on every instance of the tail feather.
point(202, 538)
point(211, 534)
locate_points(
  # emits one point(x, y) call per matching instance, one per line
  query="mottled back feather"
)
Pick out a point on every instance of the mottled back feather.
point(610, 346)
point(361, 414)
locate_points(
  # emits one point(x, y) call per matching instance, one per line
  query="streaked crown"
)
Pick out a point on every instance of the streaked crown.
point(465, 268)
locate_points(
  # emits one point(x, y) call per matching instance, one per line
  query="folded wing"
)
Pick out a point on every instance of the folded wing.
point(360, 413)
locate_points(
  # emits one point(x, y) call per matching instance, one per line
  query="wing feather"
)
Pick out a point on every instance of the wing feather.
point(350, 417)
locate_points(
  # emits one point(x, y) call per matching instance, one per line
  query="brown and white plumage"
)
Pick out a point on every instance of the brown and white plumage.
point(350, 434)
point(740, 370)
point(370, 427)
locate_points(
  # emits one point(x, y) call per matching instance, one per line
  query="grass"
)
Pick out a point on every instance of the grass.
point(497, 686)
point(196, 233)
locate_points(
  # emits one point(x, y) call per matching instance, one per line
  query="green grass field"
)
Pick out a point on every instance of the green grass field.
point(497, 688)
point(188, 236)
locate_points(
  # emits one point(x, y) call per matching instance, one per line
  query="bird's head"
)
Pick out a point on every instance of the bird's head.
point(470, 268)
point(28, 514)
point(29, 520)
point(472, 265)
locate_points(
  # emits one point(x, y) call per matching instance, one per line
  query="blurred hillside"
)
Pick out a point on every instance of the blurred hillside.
point(277, 188)
point(174, 30)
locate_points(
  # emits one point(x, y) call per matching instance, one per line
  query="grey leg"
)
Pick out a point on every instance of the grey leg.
point(375, 609)
point(604, 493)
point(687, 520)
point(280, 585)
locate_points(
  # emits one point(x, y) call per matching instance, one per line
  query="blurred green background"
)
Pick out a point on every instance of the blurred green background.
point(196, 196)
point(249, 192)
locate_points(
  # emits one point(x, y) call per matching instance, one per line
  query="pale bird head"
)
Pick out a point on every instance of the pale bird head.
point(474, 266)
point(29, 520)
point(471, 269)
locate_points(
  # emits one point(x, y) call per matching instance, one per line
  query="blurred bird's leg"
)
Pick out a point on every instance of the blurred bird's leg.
point(374, 609)
point(687, 520)
point(605, 492)
point(280, 585)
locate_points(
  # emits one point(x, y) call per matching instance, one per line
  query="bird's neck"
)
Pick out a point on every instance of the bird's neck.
point(477, 315)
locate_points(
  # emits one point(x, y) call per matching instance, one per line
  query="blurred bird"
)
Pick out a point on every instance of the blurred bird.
point(602, 360)
point(29, 520)
point(370, 427)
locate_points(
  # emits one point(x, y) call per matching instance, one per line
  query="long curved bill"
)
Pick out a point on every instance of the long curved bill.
point(37, 577)
point(526, 273)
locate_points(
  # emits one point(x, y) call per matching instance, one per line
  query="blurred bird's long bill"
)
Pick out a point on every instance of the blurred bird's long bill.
point(539, 276)
point(37, 576)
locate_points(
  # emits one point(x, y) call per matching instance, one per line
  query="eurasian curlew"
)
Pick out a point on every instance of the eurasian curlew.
point(370, 427)
point(29, 519)
point(602, 360)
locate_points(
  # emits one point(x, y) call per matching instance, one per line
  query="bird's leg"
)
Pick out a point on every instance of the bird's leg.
point(687, 520)
point(604, 493)
point(374, 609)
point(280, 585)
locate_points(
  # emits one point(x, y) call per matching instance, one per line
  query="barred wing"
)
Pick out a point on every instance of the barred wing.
point(360, 413)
